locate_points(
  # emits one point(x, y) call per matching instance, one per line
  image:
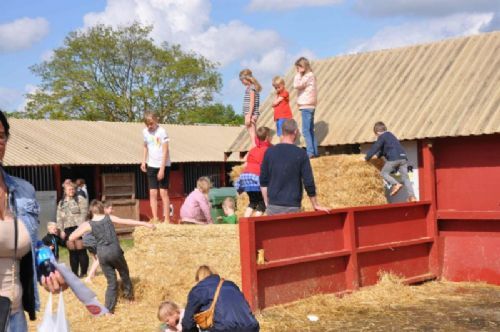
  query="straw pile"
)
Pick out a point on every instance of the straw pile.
point(341, 181)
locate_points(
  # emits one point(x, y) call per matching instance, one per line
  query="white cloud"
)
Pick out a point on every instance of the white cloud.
point(280, 5)
point(9, 98)
point(424, 31)
point(424, 7)
point(47, 55)
point(22, 33)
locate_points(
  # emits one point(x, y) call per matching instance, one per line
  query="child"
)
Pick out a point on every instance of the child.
point(108, 250)
point(388, 146)
point(52, 239)
point(81, 189)
point(305, 83)
point(249, 179)
point(229, 216)
point(281, 106)
point(251, 102)
point(171, 315)
point(156, 163)
point(196, 209)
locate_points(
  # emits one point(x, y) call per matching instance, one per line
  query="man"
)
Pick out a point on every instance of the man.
point(284, 170)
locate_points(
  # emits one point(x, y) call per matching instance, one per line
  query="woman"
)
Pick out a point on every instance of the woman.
point(71, 212)
point(232, 312)
point(18, 277)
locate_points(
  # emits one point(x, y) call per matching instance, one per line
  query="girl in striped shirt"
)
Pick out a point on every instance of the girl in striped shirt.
point(251, 102)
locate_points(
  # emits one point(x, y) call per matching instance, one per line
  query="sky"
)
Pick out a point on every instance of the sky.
point(266, 36)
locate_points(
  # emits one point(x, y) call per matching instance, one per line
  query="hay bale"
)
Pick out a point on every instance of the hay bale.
point(341, 181)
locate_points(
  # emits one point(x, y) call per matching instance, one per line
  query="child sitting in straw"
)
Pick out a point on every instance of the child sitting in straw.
point(110, 253)
point(171, 316)
point(196, 210)
point(249, 180)
point(388, 146)
point(229, 217)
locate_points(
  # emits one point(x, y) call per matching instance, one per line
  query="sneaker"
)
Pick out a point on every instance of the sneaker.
point(412, 199)
point(395, 188)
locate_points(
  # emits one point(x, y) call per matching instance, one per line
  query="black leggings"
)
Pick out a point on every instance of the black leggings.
point(77, 258)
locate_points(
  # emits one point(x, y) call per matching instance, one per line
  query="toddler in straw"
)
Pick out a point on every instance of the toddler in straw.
point(171, 316)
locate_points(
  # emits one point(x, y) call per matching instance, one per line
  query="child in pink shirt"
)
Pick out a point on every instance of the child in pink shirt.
point(196, 209)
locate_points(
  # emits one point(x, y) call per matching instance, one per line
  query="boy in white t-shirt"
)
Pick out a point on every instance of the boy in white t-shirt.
point(156, 163)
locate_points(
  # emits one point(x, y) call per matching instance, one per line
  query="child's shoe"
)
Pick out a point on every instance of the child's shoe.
point(395, 188)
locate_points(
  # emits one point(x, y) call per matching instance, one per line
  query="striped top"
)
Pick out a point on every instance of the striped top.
point(246, 101)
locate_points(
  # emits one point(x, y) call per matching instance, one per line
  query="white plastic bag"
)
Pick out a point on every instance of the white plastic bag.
point(54, 322)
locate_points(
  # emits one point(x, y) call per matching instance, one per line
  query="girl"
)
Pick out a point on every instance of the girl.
point(109, 252)
point(305, 83)
point(251, 102)
point(71, 212)
point(249, 179)
point(196, 209)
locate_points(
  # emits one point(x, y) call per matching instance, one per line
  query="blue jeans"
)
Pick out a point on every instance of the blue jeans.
point(279, 125)
point(17, 322)
point(308, 132)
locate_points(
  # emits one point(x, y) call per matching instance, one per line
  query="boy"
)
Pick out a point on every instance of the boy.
point(52, 239)
point(171, 316)
point(81, 189)
point(156, 163)
point(388, 146)
point(229, 215)
point(281, 106)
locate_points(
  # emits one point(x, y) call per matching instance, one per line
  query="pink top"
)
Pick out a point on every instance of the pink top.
point(196, 208)
point(306, 88)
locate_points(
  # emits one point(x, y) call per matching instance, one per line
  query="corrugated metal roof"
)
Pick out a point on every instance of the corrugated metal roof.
point(447, 88)
point(48, 142)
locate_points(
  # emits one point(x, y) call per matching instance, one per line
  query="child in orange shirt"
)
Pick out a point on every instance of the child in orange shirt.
point(281, 106)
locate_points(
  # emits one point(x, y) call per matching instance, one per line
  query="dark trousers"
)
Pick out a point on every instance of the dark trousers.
point(79, 259)
point(112, 261)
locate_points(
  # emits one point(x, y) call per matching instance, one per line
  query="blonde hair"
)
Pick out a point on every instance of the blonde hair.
point(246, 74)
point(278, 80)
point(263, 133)
point(228, 202)
point(204, 184)
point(166, 309)
point(149, 115)
point(51, 223)
point(203, 272)
point(304, 63)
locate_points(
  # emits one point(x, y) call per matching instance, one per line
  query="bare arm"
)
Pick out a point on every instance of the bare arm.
point(264, 195)
point(277, 100)
point(80, 231)
point(316, 206)
point(144, 158)
point(130, 222)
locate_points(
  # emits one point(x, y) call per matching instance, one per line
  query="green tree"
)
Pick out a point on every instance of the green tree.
point(112, 74)
point(214, 114)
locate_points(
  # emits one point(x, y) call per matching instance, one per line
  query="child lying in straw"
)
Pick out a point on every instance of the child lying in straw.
point(171, 316)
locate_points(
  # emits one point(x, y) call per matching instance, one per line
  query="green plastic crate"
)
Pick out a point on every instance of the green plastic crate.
point(216, 196)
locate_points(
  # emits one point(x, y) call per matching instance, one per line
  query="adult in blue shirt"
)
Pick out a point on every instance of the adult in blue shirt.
point(19, 281)
point(285, 168)
point(232, 312)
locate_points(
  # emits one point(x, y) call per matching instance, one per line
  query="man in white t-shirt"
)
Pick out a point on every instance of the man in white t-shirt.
point(156, 163)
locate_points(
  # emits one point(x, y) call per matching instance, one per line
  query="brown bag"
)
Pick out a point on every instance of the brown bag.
point(205, 319)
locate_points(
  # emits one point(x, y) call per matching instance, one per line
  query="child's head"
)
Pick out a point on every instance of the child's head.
point(151, 120)
point(302, 65)
point(169, 313)
point(108, 207)
point(278, 84)
point(263, 134)
point(203, 272)
point(80, 182)
point(52, 227)
point(228, 205)
point(95, 207)
point(246, 77)
point(379, 128)
point(204, 184)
